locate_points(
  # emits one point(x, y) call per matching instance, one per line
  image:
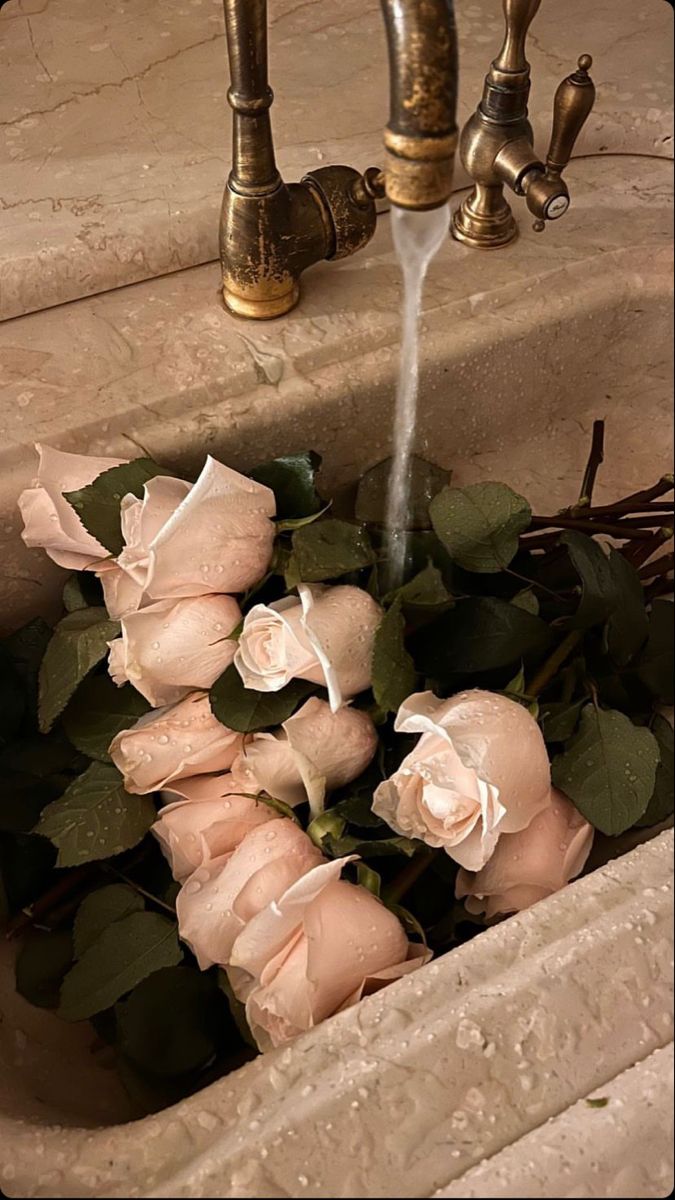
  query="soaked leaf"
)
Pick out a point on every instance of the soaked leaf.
point(426, 481)
point(98, 504)
point(609, 770)
point(125, 954)
point(655, 667)
point(329, 549)
point(96, 818)
point(480, 525)
point(481, 633)
point(662, 802)
point(100, 909)
point(171, 1024)
point(79, 643)
point(98, 712)
point(240, 708)
point(393, 668)
point(293, 481)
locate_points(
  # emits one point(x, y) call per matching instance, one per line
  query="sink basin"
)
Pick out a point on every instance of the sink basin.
point(521, 352)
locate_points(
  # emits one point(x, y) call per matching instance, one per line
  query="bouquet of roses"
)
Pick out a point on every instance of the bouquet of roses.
point(239, 695)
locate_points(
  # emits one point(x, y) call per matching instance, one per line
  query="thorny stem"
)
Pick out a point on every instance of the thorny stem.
point(41, 908)
point(638, 555)
point(612, 529)
point(137, 888)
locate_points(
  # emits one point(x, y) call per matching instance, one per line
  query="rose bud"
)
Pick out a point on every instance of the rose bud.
point(223, 894)
point(326, 636)
point(316, 951)
point(530, 865)
point(174, 743)
point(209, 822)
point(175, 647)
point(313, 753)
point(50, 521)
point(181, 540)
point(480, 769)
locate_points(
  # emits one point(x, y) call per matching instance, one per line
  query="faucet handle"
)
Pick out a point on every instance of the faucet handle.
point(574, 100)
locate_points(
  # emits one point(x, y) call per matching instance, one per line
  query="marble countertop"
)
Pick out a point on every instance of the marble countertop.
point(114, 127)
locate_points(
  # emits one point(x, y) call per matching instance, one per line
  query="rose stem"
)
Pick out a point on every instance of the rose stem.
point(551, 667)
point(408, 876)
point(110, 870)
point(41, 908)
point(617, 529)
point(595, 461)
point(639, 555)
point(660, 566)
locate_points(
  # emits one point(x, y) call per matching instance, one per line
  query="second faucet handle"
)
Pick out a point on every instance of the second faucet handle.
point(573, 103)
point(546, 191)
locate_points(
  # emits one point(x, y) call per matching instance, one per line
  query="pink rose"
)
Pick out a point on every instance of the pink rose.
point(223, 894)
point(209, 822)
point(326, 636)
point(313, 753)
point(530, 865)
point(174, 743)
point(50, 521)
point(315, 951)
point(479, 770)
point(175, 647)
point(215, 536)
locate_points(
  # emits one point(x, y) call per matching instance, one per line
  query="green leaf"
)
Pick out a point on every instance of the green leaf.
point(123, 956)
point(171, 1023)
point(592, 565)
point(98, 504)
point(560, 720)
point(480, 525)
point(425, 590)
point(662, 802)
point(100, 909)
point(655, 667)
point(293, 481)
point(329, 824)
point(330, 549)
point(42, 962)
point(98, 712)
point(609, 770)
point(339, 847)
point(96, 818)
point(80, 641)
point(628, 624)
point(393, 668)
point(246, 711)
point(26, 648)
point(480, 634)
point(601, 1102)
point(291, 524)
point(81, 590)
point(528, 601)
point(426, 481)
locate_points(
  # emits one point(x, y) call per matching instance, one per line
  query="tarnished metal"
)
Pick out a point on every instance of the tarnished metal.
point(496, 146)
point(270, 231)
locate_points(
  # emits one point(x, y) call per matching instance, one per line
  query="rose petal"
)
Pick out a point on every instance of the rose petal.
point(341, 623)
point(274, 649)
point(192, 831)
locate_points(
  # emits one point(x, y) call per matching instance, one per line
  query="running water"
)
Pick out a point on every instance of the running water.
point(418, 236)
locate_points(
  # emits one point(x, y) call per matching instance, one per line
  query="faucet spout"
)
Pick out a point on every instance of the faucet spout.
point(421, 137)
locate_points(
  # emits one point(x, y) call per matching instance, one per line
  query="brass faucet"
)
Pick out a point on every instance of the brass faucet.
point(496, 146)
point(270, 231)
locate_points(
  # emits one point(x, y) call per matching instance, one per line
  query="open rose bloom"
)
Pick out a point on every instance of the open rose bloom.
point(480, 769)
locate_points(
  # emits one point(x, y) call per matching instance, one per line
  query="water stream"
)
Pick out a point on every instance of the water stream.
point(418, 236)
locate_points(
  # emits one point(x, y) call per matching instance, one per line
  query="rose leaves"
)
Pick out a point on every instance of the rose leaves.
point(98, 504)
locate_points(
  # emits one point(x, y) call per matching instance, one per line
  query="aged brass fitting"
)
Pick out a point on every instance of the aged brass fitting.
point(496, 146)
point(270, 231)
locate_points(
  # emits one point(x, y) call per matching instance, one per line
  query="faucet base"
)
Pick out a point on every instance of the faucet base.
point(261, 310)
point(484, 220)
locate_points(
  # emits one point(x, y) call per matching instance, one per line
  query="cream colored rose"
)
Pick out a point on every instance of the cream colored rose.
point(209, 822)
point(313, 753)
point(174, 743)
point(215, 536)
point(222, 895)
point(326, 636)
point(50, 521)
point(530, 865)
point(314, 952)
point(175, 647)
point(479, 770)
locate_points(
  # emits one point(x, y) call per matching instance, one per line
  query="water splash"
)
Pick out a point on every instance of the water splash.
point(418, 236)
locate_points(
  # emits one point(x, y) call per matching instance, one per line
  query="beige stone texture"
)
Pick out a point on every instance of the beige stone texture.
point(402, 1094)
point(115, 131)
